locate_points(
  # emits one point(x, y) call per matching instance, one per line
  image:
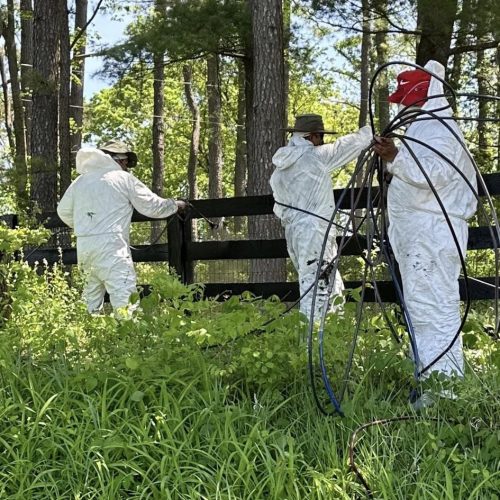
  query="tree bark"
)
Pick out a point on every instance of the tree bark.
point(194, 147)
point(45, 107)
point(265, 122)
point(465, 19)
point(26, 64)
point(240, 170)
point(482, 88)
point(77, 80)
point(64, 99)
point(6, 104)
point(20, 160)
point(214, 127)
point(158, 124)
point(435, 18)
point(366, 44)
point(365, 62)
point(382, 50)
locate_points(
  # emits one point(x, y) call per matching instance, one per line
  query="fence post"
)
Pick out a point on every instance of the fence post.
point(179, 234)
point(10, 220)
point(175, 243)
point(187, 237)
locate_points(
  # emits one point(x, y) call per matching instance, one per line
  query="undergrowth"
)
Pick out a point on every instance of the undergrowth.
point(192, 399)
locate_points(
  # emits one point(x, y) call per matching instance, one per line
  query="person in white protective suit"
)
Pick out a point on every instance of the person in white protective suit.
point(421, 239)
point(98, 205)
point(302, 180)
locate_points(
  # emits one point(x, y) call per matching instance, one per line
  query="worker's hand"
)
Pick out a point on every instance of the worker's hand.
point(182, 206)
point(385, 148)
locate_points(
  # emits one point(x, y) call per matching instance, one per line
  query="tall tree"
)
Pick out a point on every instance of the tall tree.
point(365, 62)
point(464, 27)
point(214, 128)
point(436, 30)
point(44, 133)
point(158, 144)
point(77, 77)
point(194, 147)
point(6, 103)
point(26, 64)
point(265, 122)
point(20, 160)
point(64, 98)
point(240, 168)
point(381, 47)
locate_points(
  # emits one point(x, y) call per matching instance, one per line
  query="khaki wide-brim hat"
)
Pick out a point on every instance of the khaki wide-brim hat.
point(311, 123)
point(117, 147)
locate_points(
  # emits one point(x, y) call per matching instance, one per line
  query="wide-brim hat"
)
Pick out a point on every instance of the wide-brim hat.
point(311, 123)
point(114, 148)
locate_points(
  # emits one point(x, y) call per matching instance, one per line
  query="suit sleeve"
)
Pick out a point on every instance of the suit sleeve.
point(344, 149)
point(148, 203)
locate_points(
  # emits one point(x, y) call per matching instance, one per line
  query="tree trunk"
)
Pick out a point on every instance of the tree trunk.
point(483, 153)
point(194, 148)
point(214, 150)
point(382, 49)
point(6, 104)
point(240, 170)
point(287, 31)
point(435, 18)
point(265, 122)
point(77, 80)
point(64, 99)
point(214, 127)
point(158, 125)
point(366, 44)
point(27, 64)
point(45, 107)
point(465, 19)
point(365, 63)
point(20, 160)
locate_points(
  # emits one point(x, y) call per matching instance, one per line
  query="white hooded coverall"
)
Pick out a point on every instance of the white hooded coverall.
point(422, 242)
point(98, 205)
point(302, 179)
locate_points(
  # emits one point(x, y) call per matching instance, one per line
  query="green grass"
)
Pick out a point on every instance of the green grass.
point(100, 408)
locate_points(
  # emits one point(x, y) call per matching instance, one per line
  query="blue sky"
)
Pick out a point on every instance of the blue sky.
point(111, 31)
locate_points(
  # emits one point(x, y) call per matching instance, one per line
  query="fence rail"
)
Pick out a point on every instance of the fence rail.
point(181, 252)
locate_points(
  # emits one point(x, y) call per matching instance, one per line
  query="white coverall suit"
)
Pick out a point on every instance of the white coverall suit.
point(98, 205)
point(422, 242)
point(302, 179)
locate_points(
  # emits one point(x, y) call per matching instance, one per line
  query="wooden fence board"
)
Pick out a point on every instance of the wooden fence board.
point(181, 252)
point(289, 291)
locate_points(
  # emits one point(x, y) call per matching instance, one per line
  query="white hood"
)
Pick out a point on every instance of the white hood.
point(92, 159)
point(436, 88)
point(288, 155)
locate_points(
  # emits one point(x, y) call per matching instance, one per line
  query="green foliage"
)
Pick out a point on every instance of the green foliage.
point(196, 397)
point(124, 112)
point(194, 27)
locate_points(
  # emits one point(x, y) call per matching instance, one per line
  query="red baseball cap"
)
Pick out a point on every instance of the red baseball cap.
point(412, 88)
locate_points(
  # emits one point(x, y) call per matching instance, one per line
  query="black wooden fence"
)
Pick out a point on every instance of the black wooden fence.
point(181, 252)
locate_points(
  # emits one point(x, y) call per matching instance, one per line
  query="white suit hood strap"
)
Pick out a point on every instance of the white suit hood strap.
point(92, 159)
